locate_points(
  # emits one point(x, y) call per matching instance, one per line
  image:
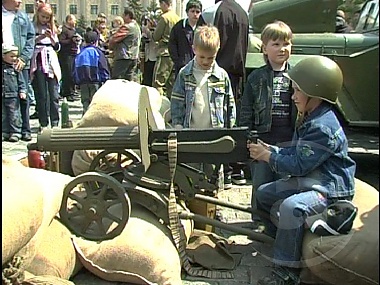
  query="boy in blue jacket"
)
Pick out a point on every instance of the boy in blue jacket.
point(90, 69)
point(317, 167)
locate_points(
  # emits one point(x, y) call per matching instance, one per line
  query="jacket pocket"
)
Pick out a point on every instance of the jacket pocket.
point(10, 82)
point(218, 94)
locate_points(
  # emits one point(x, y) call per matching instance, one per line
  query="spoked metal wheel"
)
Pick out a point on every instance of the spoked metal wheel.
point(110, 161)
point(95, 206)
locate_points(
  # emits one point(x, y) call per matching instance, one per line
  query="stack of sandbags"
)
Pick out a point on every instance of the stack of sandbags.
point(350, 259)
point(142, 254)
point(56, 255)
point(115, 104)
point(31, 198)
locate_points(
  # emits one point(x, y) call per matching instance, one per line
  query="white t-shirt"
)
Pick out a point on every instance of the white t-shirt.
point(7, 20)
point(200, 115)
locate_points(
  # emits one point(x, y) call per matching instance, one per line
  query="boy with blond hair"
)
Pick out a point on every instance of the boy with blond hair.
point(202, 96)
point(266, 105)
point(202, 92)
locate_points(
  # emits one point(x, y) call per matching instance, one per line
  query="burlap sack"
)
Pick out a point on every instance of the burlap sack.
point(18, 226)
point(85, 277)
point(142, 254)
point(351, 259)
point(41, 185)
point(31, 279)
point(56, 255)
point(115, 104)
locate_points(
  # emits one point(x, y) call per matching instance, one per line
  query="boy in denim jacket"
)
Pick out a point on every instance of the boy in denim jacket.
point(202, 96)
point(14, 90)
point(317, 166)
point(266, 105)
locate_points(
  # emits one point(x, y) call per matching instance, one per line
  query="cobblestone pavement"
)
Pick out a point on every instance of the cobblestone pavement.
point(254, 261)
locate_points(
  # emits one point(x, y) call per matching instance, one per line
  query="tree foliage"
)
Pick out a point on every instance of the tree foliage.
point(81, 24)
point(137, 8)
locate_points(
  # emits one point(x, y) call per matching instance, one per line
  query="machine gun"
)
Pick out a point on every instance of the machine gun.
point(159, 178)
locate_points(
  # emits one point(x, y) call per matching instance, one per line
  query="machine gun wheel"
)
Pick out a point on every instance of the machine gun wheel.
point(95, 206)
point(101, 162)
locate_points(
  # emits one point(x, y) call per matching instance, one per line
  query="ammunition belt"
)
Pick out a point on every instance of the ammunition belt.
point(176, 227)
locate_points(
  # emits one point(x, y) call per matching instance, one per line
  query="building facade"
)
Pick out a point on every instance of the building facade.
point(89, 8)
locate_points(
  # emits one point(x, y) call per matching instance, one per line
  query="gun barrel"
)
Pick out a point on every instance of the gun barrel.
point(112, 138)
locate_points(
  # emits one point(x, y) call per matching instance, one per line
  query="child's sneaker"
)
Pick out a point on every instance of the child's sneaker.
point(13, 138)
point(227, 182)
point(281, 276)
point(238, 178)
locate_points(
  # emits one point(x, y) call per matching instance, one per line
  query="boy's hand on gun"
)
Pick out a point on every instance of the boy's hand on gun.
point(259, 150)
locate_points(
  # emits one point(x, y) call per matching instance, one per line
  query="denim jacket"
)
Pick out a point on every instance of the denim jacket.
point(319, 151)
point(24, 36)
point(13, 82)
point(219, 86)
point(256, 103)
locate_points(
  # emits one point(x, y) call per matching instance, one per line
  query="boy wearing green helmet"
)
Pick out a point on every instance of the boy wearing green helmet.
point(318, 169)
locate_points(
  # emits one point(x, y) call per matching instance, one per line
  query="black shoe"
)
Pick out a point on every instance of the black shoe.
point(26, 137)
point(34, 116)
point(13, 138)
point(238, 178)
point(280, 276)
point(227, 182)
point(70, 98)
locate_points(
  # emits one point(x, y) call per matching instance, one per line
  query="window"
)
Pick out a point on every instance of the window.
point(73, 9)
point(94, 9)
point(29, 8)
point(54, 8)
point(114, 9)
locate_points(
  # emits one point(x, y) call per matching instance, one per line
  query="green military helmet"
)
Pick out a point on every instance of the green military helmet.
point(319, 77)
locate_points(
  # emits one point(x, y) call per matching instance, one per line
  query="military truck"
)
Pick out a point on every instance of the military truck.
point(357, 52)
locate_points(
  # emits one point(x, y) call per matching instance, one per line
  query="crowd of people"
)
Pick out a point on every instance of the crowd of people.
point(300, 163)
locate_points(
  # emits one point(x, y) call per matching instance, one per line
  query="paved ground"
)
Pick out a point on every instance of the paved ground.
point(254, 262)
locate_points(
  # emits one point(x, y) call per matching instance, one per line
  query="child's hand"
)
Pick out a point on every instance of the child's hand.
point(19, 64)
point(265, 145)
point(22, 96)
point(48, 33)
point(259, 151)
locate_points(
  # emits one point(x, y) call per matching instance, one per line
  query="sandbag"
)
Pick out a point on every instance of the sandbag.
point(351, 259)
point(55, 255)
point(17, 195)
point(31, 279)
point(41, 184)
point(85, 277)
point(142, 254)
point(115, 104)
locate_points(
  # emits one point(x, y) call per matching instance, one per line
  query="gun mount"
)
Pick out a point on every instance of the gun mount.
point(162, 171)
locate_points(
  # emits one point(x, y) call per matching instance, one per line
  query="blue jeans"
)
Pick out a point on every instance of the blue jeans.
point(261, 173)
point(11, 117)
point(24, 107)
point(284, 205)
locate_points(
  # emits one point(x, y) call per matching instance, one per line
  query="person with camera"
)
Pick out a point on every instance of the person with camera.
point(69, 41)
point(149, 50)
